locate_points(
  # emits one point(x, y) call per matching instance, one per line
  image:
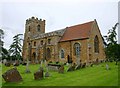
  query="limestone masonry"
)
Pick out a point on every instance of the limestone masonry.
point(80, 43)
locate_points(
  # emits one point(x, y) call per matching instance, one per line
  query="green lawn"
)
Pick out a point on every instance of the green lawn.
point(89, 76)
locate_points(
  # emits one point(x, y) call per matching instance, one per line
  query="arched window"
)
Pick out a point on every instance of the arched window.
point(29, 28)
point(38, 28)
point(96, 44)
point(48, 53)
point(41, 42)
point(49, 41)
point(34, 55)
point(34, 43)
point(62, 53)
point(77, 49)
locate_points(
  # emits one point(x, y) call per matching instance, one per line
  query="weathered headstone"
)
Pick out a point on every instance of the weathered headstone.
point(47, 74)
point(53, 68)
point(91, 65)
point(72, 67)
point(78, 67)
point(4, 61)
point(38, 75)
point(12, 75)
point(67, 64)
point(45, 63)
point(16, 63)
point(27, 68)
point(7, 64)
point(24, 63)
point(61, 69)
point(83, 65)
point(107, 67)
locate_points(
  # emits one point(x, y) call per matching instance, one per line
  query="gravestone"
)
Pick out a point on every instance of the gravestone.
point(12, 75)
point(47, 74)
point(61, 69)
point(7, 64)
point(107, 67)
point(72, 67)
point(4, 61)
point(41, 66)
point(27, 68)
point(24, 63)
point(45, 62)
point(16, 63)
point(39, 74)
point(53, 68)
point(83, 65)
point(67, 64)
point(91, 65)
point(78, 67)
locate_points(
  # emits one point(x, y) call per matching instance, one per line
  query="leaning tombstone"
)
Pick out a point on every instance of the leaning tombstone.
point(83, 65)
point(107, 67)
point(16, 63)
point(47, 74)
point(45, 63)
point(27, 68)
point(7, 64)
point(67, 64)
point(24, 63)
point(78, 67)
point(61, 69)
point(91, 65)
point(4, 61)
point(41, 66)
point(39, 74)
point(72, 67)
point(12, 75)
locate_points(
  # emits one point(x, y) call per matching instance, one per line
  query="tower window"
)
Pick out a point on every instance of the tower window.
point(38, 28)
point(34, 43)
point(48, 53)
point(29, 28)
point(49, 41)
point(41, 42)
point(28, 43)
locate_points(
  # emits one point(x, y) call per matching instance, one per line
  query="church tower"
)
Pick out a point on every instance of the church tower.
point(33, 27)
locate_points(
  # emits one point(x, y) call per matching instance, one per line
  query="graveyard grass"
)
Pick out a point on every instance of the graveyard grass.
point(89, 76)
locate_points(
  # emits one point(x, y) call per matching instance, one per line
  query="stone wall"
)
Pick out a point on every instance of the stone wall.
point(92, 55)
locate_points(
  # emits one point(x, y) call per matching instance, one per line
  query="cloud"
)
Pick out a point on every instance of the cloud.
point(57, 13)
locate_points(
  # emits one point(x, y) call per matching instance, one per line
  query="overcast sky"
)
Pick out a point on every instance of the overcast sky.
point(57, 13)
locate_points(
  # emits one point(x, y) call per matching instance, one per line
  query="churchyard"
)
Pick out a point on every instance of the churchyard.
point(103, 74)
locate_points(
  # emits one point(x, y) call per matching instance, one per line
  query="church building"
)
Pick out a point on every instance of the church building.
point(81, 43)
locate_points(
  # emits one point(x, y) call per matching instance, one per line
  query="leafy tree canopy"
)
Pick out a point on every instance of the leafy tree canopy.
point(16, 47)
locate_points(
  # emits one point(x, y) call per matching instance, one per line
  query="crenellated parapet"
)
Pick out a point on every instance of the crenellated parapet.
point(34, 19)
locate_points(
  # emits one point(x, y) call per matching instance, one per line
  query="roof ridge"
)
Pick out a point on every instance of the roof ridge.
point(80, 24)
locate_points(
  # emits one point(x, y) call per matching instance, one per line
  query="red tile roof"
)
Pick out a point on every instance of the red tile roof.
point(80, 31)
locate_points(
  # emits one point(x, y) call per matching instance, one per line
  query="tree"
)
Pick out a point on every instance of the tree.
point(111, 38)
point(16, 47)
point(1, 34)
point(112, 48)
point(1, 42)
point(5, 53)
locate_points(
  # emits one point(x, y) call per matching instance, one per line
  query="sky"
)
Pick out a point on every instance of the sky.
point(57, 13)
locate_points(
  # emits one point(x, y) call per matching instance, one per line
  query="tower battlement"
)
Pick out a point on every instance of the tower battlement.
point(34, 19)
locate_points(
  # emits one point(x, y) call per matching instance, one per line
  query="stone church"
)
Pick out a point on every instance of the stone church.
point(81, 43)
